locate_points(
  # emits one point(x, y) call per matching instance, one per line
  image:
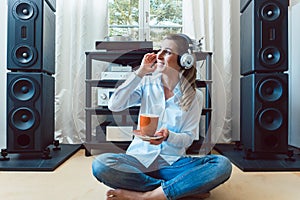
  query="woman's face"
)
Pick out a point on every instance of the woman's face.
point(167, 56)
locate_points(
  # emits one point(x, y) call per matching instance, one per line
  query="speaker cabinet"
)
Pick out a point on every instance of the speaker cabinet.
point(31, 36)
point(264, 36)
point(264, 112)
point(244, 4)
point(30, 111)
point(52, 4)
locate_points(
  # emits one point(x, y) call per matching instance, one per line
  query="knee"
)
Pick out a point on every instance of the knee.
point(225, 166)
point(102, 165)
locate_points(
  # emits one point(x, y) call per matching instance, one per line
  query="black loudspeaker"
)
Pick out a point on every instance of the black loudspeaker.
point(30, 111)
point(264, 36)
point(52, 4)
point(31, 36)
point(264, 112)
point(244, 4)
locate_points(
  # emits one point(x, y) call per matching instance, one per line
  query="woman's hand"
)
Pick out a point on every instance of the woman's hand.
point(147, 65)
point(163, 132)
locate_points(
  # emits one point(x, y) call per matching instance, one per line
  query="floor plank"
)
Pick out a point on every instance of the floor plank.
point(73, 180)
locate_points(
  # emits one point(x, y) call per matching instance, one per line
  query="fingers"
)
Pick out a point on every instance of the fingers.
point(156, 141)
point(149, 59)
point(163, 132)
point(148, 65)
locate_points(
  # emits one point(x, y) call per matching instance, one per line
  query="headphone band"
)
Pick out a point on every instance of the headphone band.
point(187, 59)
point(189, 41)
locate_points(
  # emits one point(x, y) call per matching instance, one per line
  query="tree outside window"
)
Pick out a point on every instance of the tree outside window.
point(145, 19)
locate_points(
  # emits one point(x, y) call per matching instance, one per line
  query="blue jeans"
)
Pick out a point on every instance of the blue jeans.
point(187, 176)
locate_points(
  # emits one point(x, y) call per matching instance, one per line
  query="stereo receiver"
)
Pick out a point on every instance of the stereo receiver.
point(103, 95)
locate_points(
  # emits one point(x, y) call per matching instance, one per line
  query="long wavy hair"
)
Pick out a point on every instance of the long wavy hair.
point(187, 76)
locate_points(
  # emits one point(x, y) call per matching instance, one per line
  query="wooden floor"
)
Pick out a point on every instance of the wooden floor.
point(73, 180)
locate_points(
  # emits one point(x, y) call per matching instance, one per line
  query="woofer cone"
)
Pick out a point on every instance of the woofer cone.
point(270, 119)
point(270, 90)
point(23, 118)
point(23, 89)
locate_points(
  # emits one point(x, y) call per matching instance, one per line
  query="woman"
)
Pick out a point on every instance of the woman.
point(159, 169)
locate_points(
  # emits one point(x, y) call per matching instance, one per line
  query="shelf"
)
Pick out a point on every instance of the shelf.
point(116, 147)
point(130, 57)
point(106, 111)
point(116, 83)
point(134, 58)
point(132, 110)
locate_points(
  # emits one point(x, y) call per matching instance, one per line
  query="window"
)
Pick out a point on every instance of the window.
point(145, 19)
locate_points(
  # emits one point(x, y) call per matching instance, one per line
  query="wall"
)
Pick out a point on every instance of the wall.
point(235, 105)
point(294, 130)
point(3, 25)
point(294, 74)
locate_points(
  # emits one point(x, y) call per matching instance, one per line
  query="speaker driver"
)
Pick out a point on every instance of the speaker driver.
point(24, 55)
point(23, 119)
point(270, 56)
point(270, 90)
point(23, 89)
point(24, 11)
point(23, 140)
point(270, 119)
point(270, 11)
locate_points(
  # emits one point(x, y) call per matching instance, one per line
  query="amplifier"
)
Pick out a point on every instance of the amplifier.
point(103, 95)
point(119, 133)
point(112, 132)
point(115, 75)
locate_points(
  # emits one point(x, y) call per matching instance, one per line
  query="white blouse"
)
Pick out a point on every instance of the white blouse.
point(149, 94)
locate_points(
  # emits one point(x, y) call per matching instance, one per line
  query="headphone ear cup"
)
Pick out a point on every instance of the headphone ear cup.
point(187, 60)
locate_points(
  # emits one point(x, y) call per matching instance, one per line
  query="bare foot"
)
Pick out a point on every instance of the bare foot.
point(120, 194)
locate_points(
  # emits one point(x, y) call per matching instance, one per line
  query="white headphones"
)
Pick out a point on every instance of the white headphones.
point(187, 59)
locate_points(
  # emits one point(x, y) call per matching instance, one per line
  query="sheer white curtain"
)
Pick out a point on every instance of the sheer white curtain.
point(216, 20)
point(79, 23)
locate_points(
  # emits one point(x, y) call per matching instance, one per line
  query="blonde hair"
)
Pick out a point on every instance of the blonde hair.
point(187, 76)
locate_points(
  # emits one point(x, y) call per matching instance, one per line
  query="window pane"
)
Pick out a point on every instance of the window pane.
point(123, 17)
point(165, 17)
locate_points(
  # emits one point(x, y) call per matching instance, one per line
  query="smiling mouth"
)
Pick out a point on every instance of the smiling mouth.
point(161, 64)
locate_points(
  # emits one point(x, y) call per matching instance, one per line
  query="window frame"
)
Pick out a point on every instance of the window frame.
point(144, 27)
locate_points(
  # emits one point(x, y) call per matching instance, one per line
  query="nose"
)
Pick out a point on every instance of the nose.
point(160, 55)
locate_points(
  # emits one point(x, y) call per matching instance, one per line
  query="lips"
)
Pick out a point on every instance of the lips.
point(160, 64)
